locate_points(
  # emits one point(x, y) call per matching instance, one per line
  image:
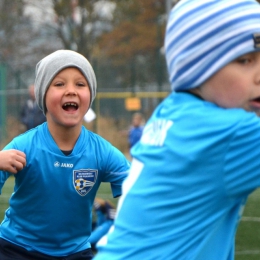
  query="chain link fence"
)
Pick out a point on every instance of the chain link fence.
point(111, 104)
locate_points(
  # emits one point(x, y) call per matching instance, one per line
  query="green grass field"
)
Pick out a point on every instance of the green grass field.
point(248, 234)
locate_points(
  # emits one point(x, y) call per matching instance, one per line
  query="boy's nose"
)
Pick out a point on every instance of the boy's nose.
point(71, 89)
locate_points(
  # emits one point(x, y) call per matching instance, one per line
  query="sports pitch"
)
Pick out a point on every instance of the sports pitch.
point(248, 234)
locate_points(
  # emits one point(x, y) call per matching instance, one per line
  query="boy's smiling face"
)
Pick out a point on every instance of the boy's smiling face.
point(67, 98)
point(237, 85)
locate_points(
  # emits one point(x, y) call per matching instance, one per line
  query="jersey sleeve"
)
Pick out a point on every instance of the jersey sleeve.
point(117, 169)
point(5, 175)
point(242, 161)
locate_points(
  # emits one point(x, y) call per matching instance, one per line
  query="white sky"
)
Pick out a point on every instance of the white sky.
point(39, 11)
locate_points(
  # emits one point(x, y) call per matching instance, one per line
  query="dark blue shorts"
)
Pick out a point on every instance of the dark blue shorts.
point(9, 251)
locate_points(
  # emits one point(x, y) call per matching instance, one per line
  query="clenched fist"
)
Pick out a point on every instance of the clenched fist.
point(12, 160)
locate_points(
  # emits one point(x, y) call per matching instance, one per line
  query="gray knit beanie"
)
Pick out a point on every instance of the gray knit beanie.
point(51, 65)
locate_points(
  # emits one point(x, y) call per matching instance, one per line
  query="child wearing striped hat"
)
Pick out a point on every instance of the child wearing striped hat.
point(198, 158)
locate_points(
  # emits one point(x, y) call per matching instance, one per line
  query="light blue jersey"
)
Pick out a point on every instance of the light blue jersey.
point(50, 209)
point(190, 177)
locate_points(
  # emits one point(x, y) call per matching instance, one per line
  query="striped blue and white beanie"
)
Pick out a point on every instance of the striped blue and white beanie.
point(202, 36)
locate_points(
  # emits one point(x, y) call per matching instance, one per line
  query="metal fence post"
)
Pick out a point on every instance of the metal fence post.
point(2, 102)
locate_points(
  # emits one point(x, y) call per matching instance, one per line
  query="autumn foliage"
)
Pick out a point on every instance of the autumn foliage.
point(138, 29)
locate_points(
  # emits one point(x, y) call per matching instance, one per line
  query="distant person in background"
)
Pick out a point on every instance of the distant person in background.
point(136, 129)
point(105, 213)
point(134, 132)
point(31, 115)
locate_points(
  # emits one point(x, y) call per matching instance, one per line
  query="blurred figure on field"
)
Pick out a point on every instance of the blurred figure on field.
point(31, 115)
point(136, 129)
point(134, 132)
point(105, 213)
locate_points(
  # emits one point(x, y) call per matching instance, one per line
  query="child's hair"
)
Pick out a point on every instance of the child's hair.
point(139, 116)
point(51, 65)
point(203, 36)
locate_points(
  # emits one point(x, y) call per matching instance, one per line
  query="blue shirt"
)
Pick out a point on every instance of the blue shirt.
point(192, 172)
point(32, 115)
point(135, 134)
point(50, 209)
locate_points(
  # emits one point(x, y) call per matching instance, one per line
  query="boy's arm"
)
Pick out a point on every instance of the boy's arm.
point(117, 170)
point(12, 160)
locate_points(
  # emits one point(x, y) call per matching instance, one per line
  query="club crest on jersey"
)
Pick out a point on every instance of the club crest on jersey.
point(84, 180)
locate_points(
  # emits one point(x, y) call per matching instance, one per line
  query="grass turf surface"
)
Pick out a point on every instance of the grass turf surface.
point(248, 234)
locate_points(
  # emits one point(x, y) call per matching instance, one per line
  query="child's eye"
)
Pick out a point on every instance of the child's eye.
point(58, 84)
point(243, 60)
point(81, 84)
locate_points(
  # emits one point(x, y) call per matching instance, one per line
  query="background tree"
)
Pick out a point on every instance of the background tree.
point(134, 45)
point(12, 24)
point(80, 22)
point(24, 40)
point(128, 55)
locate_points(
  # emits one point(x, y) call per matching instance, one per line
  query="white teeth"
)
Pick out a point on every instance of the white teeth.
point(70, 104)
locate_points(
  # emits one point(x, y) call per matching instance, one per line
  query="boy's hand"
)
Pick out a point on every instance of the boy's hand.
point(12, 160)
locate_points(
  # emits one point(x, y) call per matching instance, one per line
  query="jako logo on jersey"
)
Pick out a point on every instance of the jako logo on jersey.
point(56, 164)
point(156, 132)
point(84, 180)
point(66, 165)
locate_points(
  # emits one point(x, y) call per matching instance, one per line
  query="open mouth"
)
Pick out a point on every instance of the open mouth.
point(70, 106)
point(255, 104)
point(256, 99)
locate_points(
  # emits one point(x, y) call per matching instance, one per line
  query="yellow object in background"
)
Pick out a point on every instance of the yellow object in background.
point(132, 103)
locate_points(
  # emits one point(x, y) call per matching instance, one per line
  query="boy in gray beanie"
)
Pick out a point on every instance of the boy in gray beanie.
point(58, 167)
point(51, 65)
point(198, 158)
